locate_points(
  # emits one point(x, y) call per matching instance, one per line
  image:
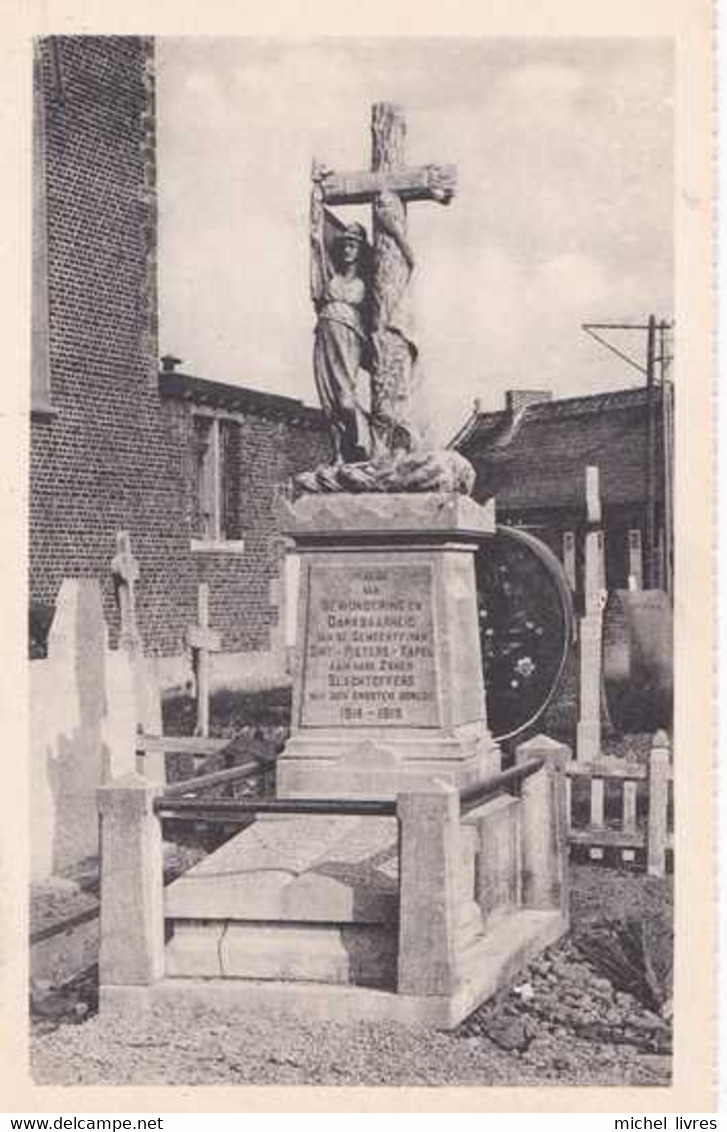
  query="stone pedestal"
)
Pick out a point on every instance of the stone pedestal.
point(388, 690)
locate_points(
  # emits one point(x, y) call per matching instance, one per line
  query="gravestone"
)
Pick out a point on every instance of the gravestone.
point(82, 728)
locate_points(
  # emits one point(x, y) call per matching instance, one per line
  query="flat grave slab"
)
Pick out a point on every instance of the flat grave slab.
point(313, 868)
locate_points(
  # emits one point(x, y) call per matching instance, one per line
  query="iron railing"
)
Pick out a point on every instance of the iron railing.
point(175, 801)
point(496, 784)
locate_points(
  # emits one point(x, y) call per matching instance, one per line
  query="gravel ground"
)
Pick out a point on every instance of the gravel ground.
point(179, 1047)
point(562, 1022)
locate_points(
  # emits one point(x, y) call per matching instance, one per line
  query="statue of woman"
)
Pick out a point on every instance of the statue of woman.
point(364, 357)
point(340, 288)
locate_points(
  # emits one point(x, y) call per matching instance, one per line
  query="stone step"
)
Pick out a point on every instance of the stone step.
point(488, 965)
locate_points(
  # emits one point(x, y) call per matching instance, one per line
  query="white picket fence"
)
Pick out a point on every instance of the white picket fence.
point(626, 834)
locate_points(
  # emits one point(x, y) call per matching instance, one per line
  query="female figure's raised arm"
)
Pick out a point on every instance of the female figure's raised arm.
point(319, 267)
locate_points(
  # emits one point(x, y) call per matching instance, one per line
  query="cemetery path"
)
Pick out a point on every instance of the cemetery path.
point(563, 1022)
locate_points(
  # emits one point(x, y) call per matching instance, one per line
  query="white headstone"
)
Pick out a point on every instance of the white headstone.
point(82, 728)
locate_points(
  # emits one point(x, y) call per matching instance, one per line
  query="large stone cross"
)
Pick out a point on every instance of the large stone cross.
point(388, 185)
point(125, 569)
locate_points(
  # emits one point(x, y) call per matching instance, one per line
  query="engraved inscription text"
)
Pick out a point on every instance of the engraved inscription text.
point(369, 649)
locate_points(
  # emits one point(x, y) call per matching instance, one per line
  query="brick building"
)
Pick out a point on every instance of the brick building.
point(532, 457)
point(189, 467)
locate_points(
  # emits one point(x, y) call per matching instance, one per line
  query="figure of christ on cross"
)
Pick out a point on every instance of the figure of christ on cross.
point(360, 295)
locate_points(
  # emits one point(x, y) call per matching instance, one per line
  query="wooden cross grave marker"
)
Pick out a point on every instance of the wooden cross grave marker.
point(388, 185)
point(125, 570)
point(202, 640)
point(595, 566)
point(588, 730)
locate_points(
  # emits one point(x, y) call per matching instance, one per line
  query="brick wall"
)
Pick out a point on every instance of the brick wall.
point(114, 455)
point(94, 461)
point(541, 464)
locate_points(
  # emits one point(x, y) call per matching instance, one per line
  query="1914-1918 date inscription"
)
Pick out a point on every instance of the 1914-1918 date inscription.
point(369, 648)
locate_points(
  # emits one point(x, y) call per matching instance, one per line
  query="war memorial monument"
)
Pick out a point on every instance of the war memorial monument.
point(399, 872)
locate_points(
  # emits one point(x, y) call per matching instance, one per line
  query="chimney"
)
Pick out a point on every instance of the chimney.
point(170, 363)
point(517, 399)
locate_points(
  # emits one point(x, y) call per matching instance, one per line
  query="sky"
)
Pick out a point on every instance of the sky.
point(563, 210)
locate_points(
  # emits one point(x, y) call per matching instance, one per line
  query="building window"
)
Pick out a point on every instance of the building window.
point(216, 488)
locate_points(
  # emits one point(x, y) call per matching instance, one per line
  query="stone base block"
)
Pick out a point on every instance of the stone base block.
point(320, 953)
point(194, 950)
point(373, 769)
point(487, 967)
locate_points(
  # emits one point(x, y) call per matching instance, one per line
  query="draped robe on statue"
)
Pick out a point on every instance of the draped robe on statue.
point(340, 345)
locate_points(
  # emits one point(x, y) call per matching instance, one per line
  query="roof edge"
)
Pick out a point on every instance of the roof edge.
point(584, 405)
point(237, 398)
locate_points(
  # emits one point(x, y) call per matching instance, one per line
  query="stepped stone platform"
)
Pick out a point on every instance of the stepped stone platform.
point(490, 965)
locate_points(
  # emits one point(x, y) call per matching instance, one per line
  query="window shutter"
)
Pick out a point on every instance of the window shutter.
point(202, 501)
point(230, 470)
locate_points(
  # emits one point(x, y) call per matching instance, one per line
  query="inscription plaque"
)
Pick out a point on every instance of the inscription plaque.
point(369, 658)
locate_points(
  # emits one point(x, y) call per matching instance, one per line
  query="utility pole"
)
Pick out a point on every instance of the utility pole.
point(657, 558)
point(667, 422)
point(650, 572)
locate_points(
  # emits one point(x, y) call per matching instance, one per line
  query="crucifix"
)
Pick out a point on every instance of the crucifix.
point(125, 570)
point(370, 305)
